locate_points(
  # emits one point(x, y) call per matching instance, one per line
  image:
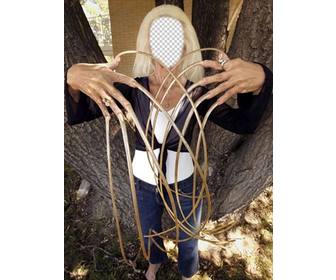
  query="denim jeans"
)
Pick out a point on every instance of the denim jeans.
point(151, 209)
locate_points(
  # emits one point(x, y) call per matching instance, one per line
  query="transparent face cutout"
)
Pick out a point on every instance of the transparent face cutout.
point(166, 39)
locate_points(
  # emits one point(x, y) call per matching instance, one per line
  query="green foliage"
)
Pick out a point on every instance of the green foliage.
point(95, 7)
point(97, 13)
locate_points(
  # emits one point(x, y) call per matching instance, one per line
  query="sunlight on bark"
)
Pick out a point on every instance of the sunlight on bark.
point(79, 272)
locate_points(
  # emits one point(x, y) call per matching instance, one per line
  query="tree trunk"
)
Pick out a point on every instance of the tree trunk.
point(178, 3)
point(80, 44)
point(84, 144)
point(210, 19)
point(240, 166)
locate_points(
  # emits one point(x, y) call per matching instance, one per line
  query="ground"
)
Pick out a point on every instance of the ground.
point(91, 250)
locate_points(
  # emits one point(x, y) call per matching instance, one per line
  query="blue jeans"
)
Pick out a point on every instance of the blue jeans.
point(151, 210)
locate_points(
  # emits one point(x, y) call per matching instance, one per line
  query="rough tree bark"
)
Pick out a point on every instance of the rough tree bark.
point(210, 21)
point(249, 169)
point(84, 144)
point(240, 166)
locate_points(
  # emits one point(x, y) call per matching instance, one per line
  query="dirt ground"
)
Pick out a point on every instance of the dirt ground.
point(91, 249)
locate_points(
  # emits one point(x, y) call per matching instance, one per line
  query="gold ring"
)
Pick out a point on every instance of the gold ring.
point(106, 101)
point(222, 61)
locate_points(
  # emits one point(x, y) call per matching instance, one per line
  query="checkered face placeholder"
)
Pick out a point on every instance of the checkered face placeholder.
point(166, 40)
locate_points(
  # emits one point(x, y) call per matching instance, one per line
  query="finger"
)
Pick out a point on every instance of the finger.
point(220, 77)
point(222, 56)
point(115, 77)
point(221, 88)
point(115, 108)
point(98, 90)
point(212, 64)
point(232, 64)
point(229, 65)
point(114, 64)
point(228, 94)
point(112, 91)
point(100, 104)
point(98, 98)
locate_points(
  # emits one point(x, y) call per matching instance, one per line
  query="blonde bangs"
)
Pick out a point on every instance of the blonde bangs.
point(143, 64)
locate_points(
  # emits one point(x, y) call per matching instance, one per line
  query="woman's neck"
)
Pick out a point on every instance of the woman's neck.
point(160, 73)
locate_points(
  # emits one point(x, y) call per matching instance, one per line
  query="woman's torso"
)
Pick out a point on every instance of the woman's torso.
point(141, 162)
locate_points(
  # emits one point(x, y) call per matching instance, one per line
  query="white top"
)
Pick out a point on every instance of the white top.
point(142, 163)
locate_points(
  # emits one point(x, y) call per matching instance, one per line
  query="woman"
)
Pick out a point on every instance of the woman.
point(98, 82)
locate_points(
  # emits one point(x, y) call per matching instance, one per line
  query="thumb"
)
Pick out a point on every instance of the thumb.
point(114, 64)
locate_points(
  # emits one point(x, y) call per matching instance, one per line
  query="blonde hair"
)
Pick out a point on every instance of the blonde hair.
point(143, 65)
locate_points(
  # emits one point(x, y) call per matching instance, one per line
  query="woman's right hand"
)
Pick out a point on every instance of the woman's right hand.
point(96, 81)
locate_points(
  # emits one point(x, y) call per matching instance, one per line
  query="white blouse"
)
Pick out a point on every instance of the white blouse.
point(142, 163)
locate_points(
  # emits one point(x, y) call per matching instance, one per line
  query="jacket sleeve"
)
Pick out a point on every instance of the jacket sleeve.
point(86, 109)
point(246, 117)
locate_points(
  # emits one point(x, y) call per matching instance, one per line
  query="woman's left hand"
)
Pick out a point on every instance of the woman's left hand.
point(239, 76)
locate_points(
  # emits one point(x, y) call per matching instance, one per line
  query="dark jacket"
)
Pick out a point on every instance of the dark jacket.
point(242, 120)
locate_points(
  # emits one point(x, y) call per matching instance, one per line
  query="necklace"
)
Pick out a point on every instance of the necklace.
point(167, 103)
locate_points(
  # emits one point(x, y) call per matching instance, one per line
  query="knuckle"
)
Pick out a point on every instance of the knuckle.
point(229, 92)
point(214, 92)
point(228, 66)
point(210, 94)
point(111, 91)
point(218, 78)
point(212, 79)
point(96, 78)
point(234, 91)
point(239, 88)
point(127, 104)
point(224, 86)
point(223, 76)
point(101, 91)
